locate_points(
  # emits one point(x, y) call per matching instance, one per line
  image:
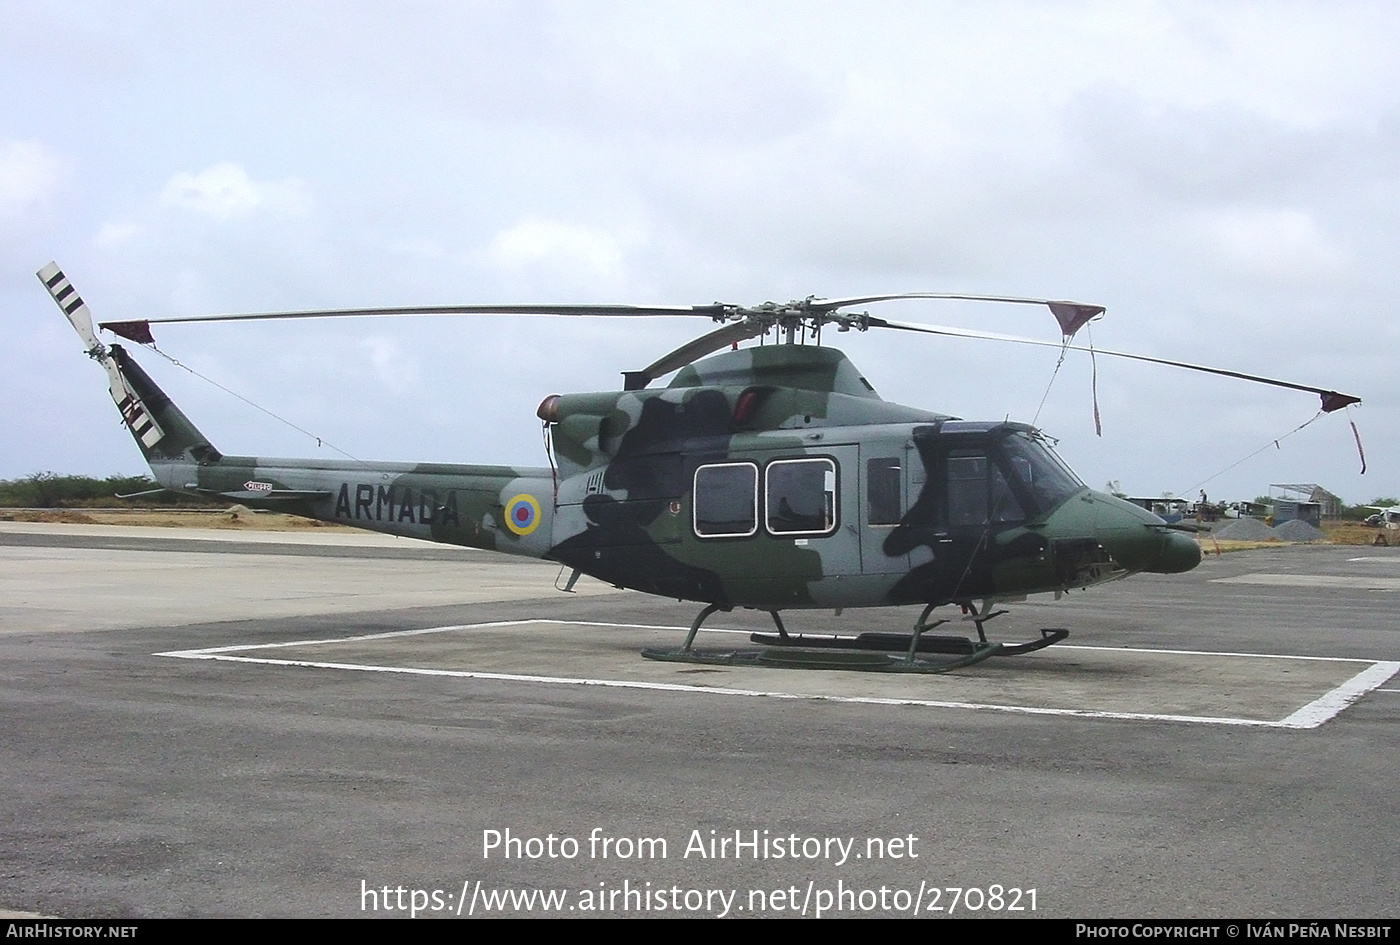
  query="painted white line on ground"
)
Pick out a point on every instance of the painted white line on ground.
point(390, 634)
point(1310, 716)
point(1358, 582)
point(200, 654)
point(1320, 710)
point(1253, 656)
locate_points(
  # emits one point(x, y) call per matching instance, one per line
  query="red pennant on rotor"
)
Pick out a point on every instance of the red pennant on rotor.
point(139, 332)
point(1334, 401)
point(1072, 316)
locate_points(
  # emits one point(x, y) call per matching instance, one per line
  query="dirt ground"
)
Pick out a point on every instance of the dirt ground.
point(237, 518)
point(1338, 533)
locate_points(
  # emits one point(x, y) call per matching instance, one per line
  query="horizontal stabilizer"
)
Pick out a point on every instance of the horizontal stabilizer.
point(139, 495)
point(260, 495)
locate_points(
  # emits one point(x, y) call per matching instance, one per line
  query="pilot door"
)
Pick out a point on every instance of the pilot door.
point(964, 500)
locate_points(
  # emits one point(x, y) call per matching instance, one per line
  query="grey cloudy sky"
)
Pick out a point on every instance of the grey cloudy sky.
point(1225, 178)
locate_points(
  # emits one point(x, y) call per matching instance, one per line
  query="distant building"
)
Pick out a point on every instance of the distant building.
point(1289, 494)
point(1168, 508)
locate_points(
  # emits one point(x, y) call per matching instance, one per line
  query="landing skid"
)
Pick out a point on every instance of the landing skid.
point(867, 652)
point(782, 657)
point(899, 642)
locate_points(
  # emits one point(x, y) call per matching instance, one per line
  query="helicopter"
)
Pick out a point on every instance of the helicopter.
point(771, 477)
point(1386, 515)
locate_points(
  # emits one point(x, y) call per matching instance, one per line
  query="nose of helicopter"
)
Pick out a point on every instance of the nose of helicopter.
point(1139, 540)
point(1178, 553)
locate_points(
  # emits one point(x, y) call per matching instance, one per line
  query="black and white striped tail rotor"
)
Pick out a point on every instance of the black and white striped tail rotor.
point(134, 413)
point(138, 419)
point(74, 308)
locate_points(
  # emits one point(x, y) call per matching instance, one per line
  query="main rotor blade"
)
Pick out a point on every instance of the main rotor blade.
point(716, 310)
point(690, 352)
point(1070, 315)
point(1331, 399)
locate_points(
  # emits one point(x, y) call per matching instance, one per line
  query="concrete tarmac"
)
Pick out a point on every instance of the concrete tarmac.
point(257, 725)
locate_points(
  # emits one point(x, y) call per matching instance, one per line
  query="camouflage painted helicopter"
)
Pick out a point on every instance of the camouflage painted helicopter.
point(772, 477)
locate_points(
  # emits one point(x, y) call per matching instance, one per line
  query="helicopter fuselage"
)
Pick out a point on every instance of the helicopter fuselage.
point(772, 477)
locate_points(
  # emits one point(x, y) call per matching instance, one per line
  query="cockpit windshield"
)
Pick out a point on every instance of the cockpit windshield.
point(1043, 473)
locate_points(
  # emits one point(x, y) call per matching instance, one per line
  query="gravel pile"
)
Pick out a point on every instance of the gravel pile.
point(1245, 529)
point(1298, 530)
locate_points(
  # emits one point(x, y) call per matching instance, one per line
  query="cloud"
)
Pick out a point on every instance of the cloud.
point(1280, 244)
point(396, 371)
point(113, 235)
point(29, 173)
point(224, 191)
point(553, 243)
point(1207, 172)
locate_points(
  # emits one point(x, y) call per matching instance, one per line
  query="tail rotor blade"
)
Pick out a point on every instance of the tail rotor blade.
point(74, 308)
point(134, 412)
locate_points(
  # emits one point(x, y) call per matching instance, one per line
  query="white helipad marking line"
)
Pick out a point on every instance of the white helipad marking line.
point(1320, 710)
point(1392, 559)
point(390, 634)
point(1359, 582)
point(1253, 656)
point(201, 654)
point(1311, 715)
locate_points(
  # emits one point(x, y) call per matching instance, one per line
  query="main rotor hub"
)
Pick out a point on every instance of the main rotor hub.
point(792, 317)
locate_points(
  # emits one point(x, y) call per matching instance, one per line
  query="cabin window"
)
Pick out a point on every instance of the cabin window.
point(800, 496)
point(726, 500)
point(967, 489)
point(884, 505)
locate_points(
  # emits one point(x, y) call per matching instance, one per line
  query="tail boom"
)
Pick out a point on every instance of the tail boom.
point(499, 508)
point(496, 508)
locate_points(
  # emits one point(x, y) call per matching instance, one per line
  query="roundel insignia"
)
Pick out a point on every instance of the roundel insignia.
point(522, 514)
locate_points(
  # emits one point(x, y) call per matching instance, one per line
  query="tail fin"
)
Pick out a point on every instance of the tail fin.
point(162, 432)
